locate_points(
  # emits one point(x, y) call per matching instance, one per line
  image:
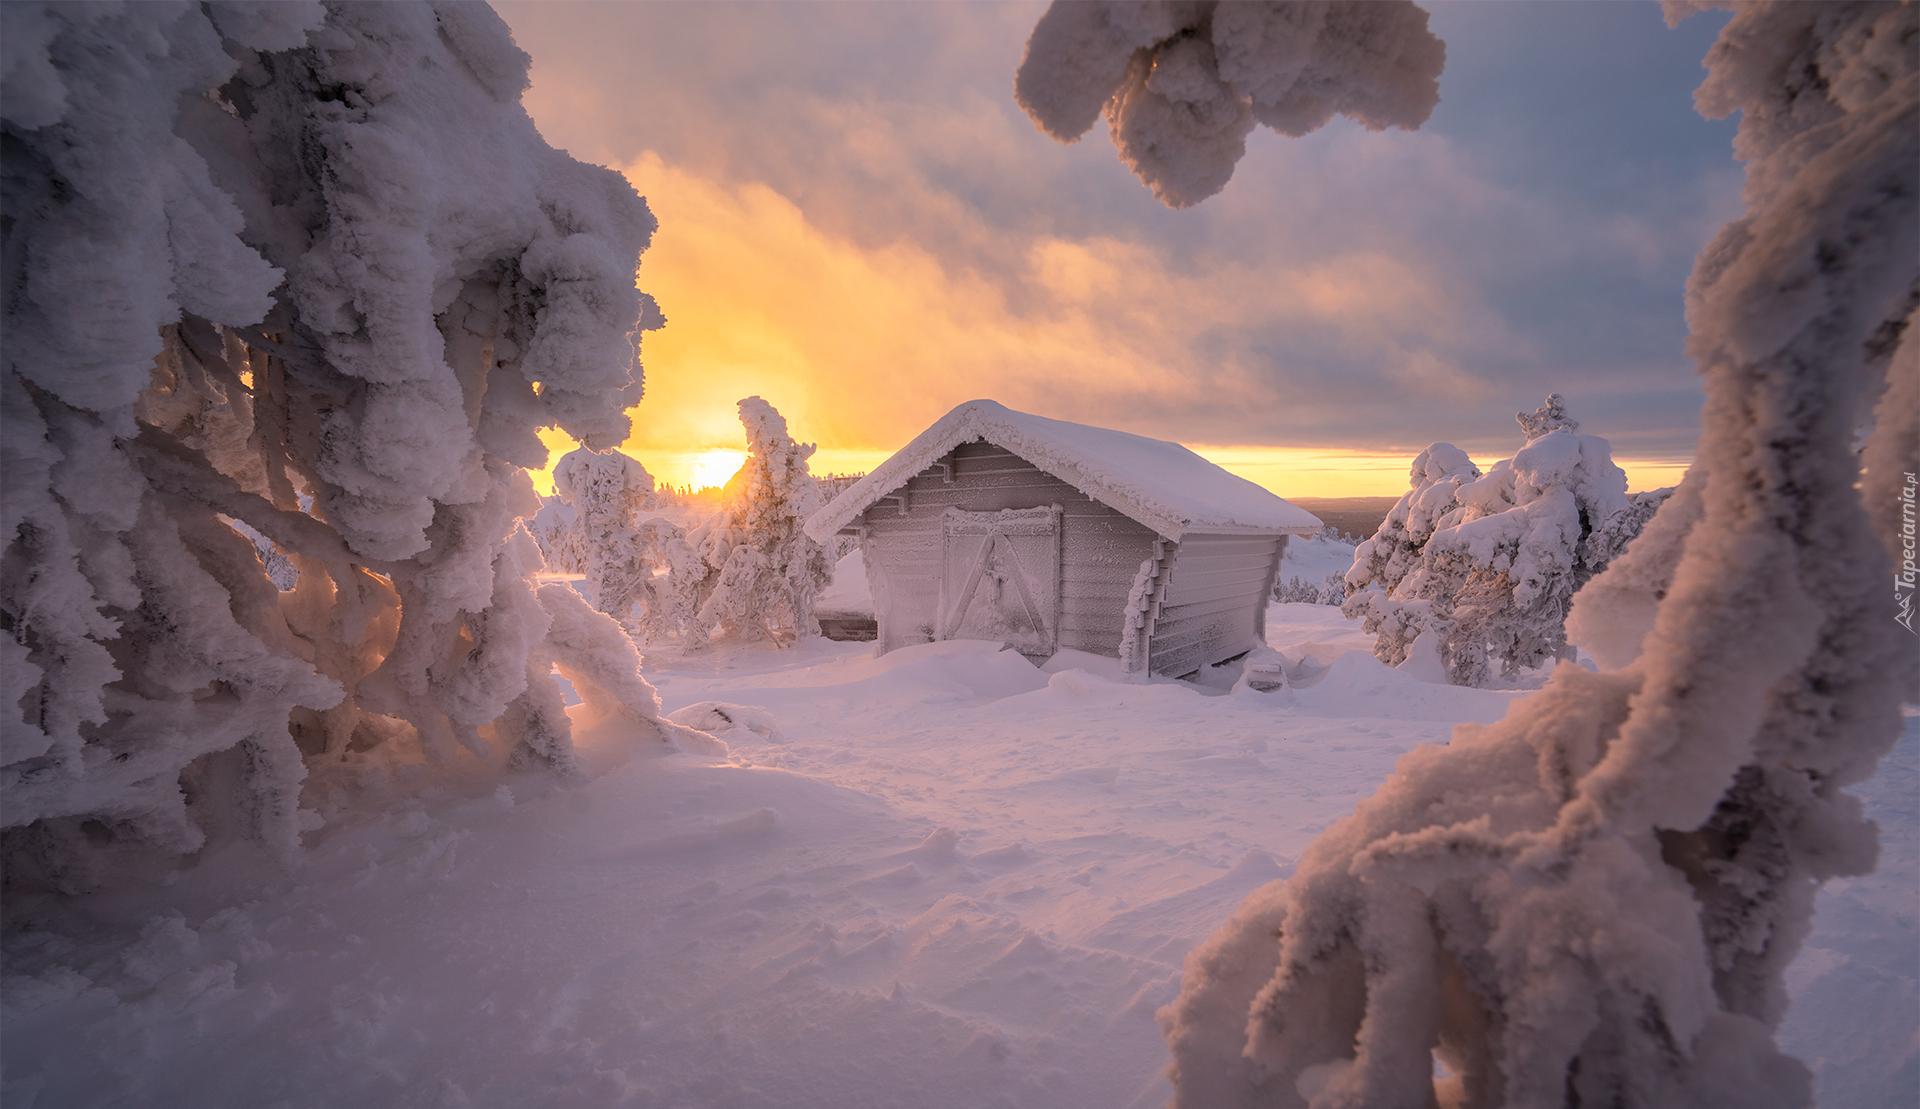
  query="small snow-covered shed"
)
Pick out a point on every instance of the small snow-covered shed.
point(1048, 535)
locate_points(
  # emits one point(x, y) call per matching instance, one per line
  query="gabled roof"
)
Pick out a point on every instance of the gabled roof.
point(1160, 484)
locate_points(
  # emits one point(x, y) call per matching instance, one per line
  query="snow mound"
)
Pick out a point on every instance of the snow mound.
point(1358, 683)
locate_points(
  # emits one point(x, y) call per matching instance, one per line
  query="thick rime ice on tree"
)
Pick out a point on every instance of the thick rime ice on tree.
point(669, 591)
point(762, 569)
point(1595, 899)
point(1393, 551)
point(1551, 416)
point(1182, 82)
point(305, 276)
point(1487, 564)
point(607, 491)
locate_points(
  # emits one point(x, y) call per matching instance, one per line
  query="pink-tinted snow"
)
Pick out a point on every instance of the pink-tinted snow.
point(948, 879)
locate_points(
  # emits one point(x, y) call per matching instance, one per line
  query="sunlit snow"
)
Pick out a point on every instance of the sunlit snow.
point(949, 878)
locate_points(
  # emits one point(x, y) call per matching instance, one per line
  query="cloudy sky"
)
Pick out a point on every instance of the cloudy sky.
point(859, 224)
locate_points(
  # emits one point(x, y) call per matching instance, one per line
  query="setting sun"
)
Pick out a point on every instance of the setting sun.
point(713, 467)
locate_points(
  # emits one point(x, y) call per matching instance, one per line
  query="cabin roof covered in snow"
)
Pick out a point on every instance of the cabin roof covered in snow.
point(1162, 485)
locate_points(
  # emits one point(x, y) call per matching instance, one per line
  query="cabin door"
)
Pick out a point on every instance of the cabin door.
point(1000, 578)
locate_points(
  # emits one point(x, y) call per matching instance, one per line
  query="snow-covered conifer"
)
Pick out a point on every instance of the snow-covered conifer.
point(1594, 900)
point(607, 491)
point(1330, 590)
point(1610, 540)
point(1551, 416)
point(669, 593)
point(763, 570)
point(1182, 82)
point(311, 268)
point(1381, 563)
point(1487, 565)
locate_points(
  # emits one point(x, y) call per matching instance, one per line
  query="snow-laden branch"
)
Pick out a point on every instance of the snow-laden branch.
point(1183, 82)
point(307, 269)
point(1594, 900)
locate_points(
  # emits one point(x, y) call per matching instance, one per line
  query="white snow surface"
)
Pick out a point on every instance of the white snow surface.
point(1160, 484)
point(940, 878)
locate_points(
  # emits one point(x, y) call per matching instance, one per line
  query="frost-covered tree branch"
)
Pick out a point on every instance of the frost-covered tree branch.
point(308, 269)
point(1594, 901)
point(1183, 82)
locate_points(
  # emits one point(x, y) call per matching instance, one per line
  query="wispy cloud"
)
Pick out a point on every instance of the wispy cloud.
point(858, 224)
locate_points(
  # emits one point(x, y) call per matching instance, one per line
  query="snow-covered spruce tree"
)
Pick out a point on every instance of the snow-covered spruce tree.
point(763, 570)
point(1183, 82)
point(261, 256)
point(1330, 590)
point(669, 593)
point(1593, 901)
point(641, 572)
point(1610, 539)
point(1394, 552)
point(1494, 576)
point(607, 491)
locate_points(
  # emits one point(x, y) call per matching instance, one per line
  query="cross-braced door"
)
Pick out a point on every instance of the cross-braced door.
point(1000, 578)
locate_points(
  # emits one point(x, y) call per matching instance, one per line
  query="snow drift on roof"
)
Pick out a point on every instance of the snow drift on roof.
point(1162, 485)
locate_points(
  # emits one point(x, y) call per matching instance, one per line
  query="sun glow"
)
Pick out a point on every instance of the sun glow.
point(698, 468)
point(713, 467)
point(862, 348)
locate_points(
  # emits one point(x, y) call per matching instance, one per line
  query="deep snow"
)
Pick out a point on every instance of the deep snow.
point(948, 878)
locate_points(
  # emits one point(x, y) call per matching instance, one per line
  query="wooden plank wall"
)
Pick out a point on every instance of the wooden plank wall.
point(1100, 548)
point(1216, 600)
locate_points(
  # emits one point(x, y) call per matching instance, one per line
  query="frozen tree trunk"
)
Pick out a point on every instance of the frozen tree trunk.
point(309, 268)
point(1593, 901)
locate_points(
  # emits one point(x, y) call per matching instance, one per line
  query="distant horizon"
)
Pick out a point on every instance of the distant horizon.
point(1287, 472)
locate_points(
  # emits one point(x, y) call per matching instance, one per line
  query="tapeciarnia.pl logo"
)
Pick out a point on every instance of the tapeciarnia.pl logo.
point(1903, 578)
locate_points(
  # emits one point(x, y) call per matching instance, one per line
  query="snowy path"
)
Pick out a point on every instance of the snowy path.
point(952, 880)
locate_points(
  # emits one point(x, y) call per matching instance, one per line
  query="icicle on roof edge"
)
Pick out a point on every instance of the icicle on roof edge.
point(1162, 485)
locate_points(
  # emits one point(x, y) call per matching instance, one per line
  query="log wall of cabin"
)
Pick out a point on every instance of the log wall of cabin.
point(1216, 600)
point(1100, 548)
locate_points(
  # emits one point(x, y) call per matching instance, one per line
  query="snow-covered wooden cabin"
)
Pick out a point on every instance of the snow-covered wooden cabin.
point(1047, 535)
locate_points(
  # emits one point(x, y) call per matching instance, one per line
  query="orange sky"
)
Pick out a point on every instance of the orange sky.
point(862, 347)
point(858, 224)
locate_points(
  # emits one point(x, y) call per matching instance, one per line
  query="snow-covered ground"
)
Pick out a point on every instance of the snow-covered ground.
point(947, 878)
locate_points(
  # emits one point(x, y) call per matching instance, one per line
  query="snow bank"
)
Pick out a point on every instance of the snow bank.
point(974, 902)
point(1356, 678)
